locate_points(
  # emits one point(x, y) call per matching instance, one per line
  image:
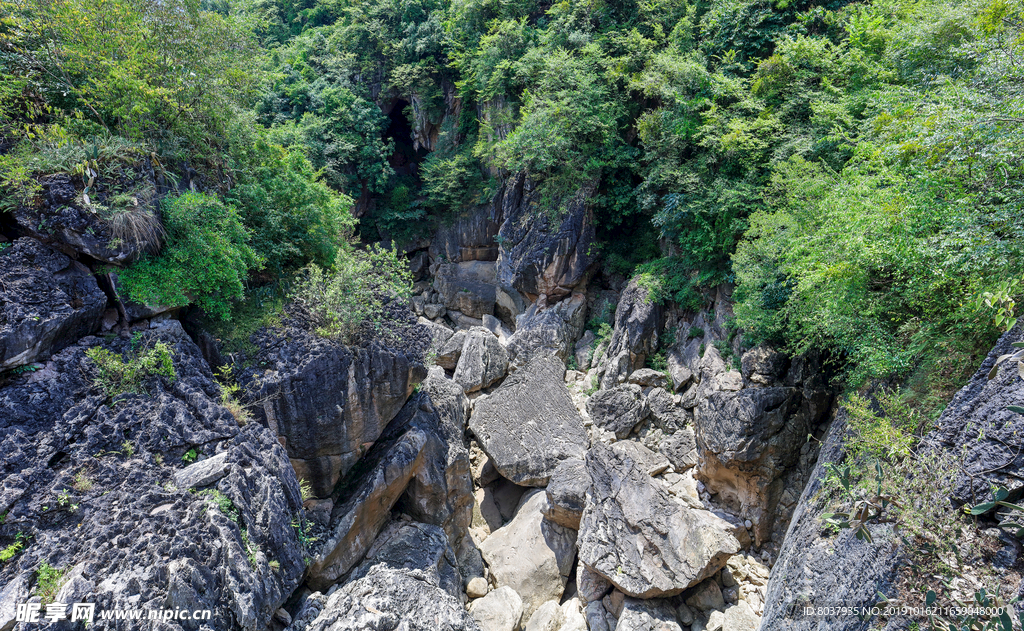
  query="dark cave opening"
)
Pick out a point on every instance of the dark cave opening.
point(405, 159)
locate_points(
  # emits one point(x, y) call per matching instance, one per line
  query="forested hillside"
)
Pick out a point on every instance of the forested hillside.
point(853, 167)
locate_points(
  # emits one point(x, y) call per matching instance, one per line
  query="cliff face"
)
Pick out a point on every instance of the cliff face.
point(976, 436)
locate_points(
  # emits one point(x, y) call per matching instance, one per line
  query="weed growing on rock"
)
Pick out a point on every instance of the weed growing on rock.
point(82, 482)
point(49, 580)
point(230, 392)
point(118, 375)
point(306, 488)
point(190, 456)
point(12, 550)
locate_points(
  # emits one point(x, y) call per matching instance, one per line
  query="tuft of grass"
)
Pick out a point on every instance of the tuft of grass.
point(49, 580)
point(230, 393)
point(82, 482)
point(118, 375)
point(306, 488)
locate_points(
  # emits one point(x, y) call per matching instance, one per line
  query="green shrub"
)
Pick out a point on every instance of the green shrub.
point(205, 259)
point(340, 300)
point(291, 217)
point(119, 375)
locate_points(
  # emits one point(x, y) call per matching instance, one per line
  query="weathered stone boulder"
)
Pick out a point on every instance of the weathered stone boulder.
point(482, 362)
point(467, 287)
point(648, 378)
point(468, 237)
point(681, 449)
point(666, 411)
point(530, 554)
point(500, 610)
point(413, 462)
point(638, 321)
point(647, 615)
point(328, 402)
point(547, 617)
point(618, 409)
point(47, 302)
point(544, 253)
point(65, 222)
point(764, 366)
point(389, 599)
point(123, 530)
point(449, 352)
point(529, 424)
point(551, 331)
point(567, 493)
point(748, 439)
point(643, 540)
point(413, 545)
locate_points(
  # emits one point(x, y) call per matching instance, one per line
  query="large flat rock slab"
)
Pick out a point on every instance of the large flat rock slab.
point(529, 424)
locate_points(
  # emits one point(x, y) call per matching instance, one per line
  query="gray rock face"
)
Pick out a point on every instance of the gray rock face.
point(330, 402)
point(815, 569)
point(977, 418)
point(450, 350)
point(203, 473)
point(680, 449)
point(551, 331)
point(644, 541)
point(748, 439)
point(648, 377)
point(126, 533)
point(567, 493)
point(541, 254)
point(469, 237)
point(47, 302)
point(529, 424)
point(635, 337)
point(647, 615)
point(500, 610)
point(666, 413)
point(63, 222)
point(390, 599)
point(414, 546)
point(530, 554)
point(764, 366)
point(467, 288)
point(618, 409)
point(482, 362)
point(412, 462)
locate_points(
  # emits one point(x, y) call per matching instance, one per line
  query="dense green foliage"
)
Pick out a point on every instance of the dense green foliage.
point(852, 167)
point(205, 258)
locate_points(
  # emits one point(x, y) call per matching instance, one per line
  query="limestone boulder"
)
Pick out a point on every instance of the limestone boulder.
point(647, 615)
point(642, 539)
point(638, 322)
point(529, 424)
point(747, 440)
point(567, 493)
point(47, 302)
point(329, 403)
point(552, 331)
point(618, 409)
point(499, 610)
point(482, 362)
point(531, 555)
